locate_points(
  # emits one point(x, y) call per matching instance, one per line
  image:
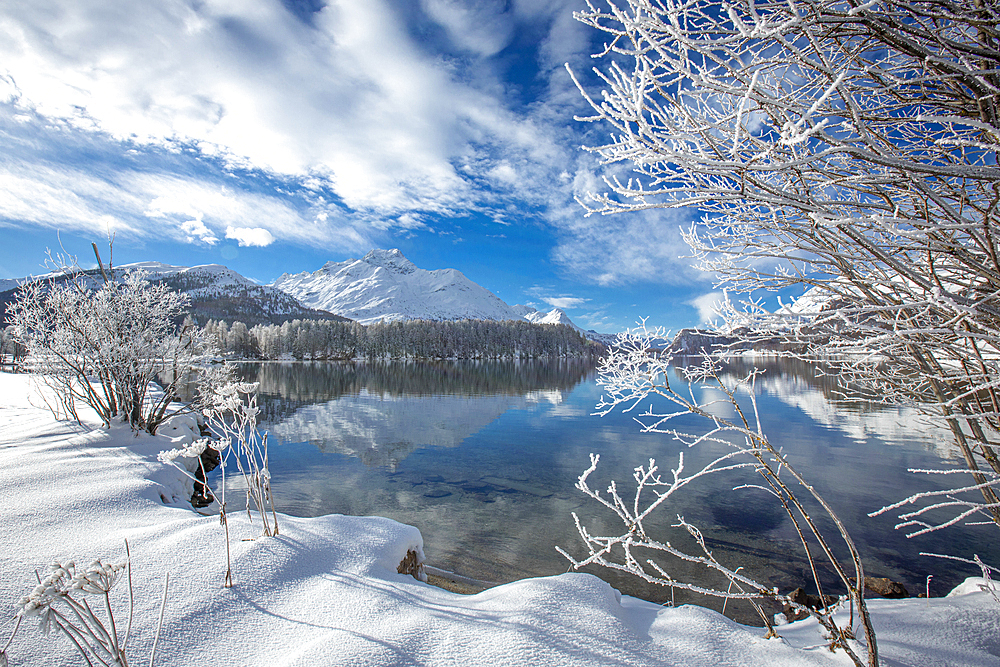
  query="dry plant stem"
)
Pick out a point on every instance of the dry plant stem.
point(925, 361)
point(159, 624)
point(234, 420)
point(762, 444)
point(131, 594)
point(10, 640)
point(988, 587)
point(228, 581)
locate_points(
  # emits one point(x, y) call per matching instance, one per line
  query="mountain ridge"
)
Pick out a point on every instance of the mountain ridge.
point(383, 285)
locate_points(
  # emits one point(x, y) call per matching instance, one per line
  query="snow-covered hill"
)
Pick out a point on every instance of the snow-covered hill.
point(216, 292)
point(386, 285)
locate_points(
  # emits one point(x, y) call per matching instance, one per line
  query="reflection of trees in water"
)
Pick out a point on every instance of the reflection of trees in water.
point(286, 387)
point(325, 381)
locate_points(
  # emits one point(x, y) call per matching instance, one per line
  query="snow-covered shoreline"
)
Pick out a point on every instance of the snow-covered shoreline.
point(326, 590)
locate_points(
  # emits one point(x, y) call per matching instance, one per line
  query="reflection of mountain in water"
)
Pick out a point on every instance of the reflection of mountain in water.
point(822, 398)
point(381, 412)
point(383, 430)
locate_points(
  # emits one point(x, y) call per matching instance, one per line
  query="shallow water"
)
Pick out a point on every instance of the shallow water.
point(482, 457)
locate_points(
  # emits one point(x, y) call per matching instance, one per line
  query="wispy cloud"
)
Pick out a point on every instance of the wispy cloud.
point(559, 300)
point(708, 306)
point(373, 118)
point(483, 28)
point(619, 249)
point(55, 176)
point(564, 302)
point(350, 98)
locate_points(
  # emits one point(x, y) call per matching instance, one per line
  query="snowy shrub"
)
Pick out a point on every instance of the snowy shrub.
point(841, 151)
point(845, 152)
point(103, 345)
point(232, 417)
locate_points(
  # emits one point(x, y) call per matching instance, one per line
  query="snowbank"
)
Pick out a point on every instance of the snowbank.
point(326, 591)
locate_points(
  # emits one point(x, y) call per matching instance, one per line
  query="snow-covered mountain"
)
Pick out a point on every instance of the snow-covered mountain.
point(382, 285)
point(216, 292)
point(386, 285)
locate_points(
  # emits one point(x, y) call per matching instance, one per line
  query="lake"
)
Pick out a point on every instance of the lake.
point(482, 457)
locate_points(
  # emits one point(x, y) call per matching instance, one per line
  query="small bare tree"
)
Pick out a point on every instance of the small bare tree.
point(103, 342)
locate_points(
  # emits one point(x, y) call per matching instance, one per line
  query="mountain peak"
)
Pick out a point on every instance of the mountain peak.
point(386, 285)
point(391, 260)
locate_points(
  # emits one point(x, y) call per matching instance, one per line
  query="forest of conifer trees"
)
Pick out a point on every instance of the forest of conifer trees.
point(410, 339)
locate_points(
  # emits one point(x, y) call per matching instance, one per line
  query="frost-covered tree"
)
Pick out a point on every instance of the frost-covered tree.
point(12, 353)
point(104, 341)
point(845, 147)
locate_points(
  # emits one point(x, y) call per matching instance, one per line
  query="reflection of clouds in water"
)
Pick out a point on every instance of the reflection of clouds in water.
point(892, 425)
point(716, 403)
point(566, 410)
point(496, 537)
point(383, 430)
point(553, 396)
point(494, 508)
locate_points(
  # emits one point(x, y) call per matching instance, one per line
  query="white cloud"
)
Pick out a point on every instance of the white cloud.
point(564, 302)
point(350, 99)
point(483, 28)
point(250, 236)
point(625, 248)
point(96, 198)
point(70, 200)
point(349, 102)
point(707, 306)
point(197, 231)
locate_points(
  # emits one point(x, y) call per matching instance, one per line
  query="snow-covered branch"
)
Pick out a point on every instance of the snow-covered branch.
point(633, 374)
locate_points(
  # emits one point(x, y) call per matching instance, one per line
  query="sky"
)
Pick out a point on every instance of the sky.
point(273, 136)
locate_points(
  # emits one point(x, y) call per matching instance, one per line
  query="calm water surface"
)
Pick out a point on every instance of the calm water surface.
point(482, 457)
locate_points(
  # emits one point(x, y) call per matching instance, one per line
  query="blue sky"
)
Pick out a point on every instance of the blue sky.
point(276, 135)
